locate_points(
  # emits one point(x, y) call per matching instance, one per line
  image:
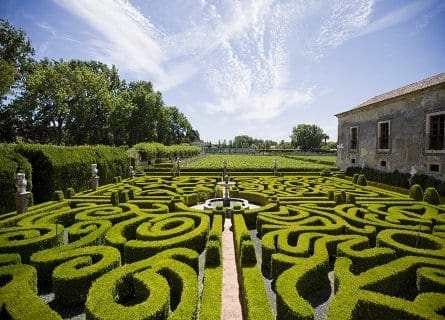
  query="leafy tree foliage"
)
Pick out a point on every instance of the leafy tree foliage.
point(307, 137)
point(80, 102)
point(15, 55)
point(245, 141)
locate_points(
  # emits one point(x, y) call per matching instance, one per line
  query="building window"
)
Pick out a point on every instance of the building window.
point(434, 167)
point(353, 138)
point(383, 135)
point(436, 131)
point(383, 163)
point(353, 160)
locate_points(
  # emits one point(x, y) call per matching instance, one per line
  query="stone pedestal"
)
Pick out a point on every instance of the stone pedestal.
point(94, 183)
point(21, 201)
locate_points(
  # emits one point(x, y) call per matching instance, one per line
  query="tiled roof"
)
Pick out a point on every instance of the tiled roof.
point(426, 83)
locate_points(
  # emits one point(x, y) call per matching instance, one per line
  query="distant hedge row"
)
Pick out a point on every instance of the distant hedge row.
point(399, 179)
point(56, 168)
point(152, 151)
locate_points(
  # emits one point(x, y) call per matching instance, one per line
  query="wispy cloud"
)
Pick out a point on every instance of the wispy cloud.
point(239, 48)
point(239, 52)
point(346, 18)
point(125, 38)
point(349, 19)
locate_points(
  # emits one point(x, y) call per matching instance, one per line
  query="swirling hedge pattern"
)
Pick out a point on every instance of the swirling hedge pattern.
point(137, 249)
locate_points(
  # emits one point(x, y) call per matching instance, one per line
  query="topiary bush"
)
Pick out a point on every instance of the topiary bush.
point(431, 196)
point(416, 192)
point(58, 195)
point(361, 180)
point(354, 178)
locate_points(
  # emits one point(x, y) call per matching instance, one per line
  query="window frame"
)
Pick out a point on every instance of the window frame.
point(379, 136)
point(428, 133)
point(351, 140)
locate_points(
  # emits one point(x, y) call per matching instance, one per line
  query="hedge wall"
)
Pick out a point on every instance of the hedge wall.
point(58, 167)
point(399, 179)
point(11, 162)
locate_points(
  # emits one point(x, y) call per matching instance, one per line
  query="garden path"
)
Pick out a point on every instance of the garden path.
point(231, 306)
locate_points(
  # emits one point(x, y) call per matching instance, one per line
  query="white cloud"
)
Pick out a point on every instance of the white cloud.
point(345, 19)
point(350, 19)
point(126, 38)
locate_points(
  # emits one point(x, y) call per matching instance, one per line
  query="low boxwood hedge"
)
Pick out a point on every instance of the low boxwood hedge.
point(18, 295)
point(377, 293)
point(147, 289)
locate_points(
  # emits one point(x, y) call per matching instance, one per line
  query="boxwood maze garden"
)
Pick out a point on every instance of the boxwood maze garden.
point(316, 247)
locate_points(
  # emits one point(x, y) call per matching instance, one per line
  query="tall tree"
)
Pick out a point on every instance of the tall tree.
point(15, 61)
point(15, 54)
point(307, 136)
point(65, 103)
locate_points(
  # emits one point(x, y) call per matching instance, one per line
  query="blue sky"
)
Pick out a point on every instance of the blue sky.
point(257, 67)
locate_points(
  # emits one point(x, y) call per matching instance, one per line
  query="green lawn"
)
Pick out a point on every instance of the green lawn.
point(255, 163)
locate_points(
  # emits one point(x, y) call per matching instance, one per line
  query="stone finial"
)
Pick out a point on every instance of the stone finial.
point(94, 170)
point(94, 177)
point(21, 183)
point(21, 196)
point(131, 171)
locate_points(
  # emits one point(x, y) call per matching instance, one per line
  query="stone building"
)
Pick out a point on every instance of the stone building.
point(398, 130)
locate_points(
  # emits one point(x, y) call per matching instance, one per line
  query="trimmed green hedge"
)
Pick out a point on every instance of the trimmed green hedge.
point(18, 295)
point(378, 293)
point(58, 168)
point(255, 302)
point(180, 229)
point(27, 240)
point(210, 306)
point(399, 179)
point(11, 162)
point(147, 289)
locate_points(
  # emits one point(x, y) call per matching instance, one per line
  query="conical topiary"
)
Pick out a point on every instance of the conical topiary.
point(431, 196)
point(354, 178)
point(416, 192)
point(361, 180)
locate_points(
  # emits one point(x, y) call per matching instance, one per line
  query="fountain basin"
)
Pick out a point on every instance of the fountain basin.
point(226, 203)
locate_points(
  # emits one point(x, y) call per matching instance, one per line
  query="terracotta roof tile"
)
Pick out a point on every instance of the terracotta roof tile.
point(426, 83)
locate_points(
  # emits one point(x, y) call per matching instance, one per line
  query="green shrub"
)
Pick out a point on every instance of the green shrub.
point(58, 195)
point(350, 198)
point(50, 235)
point(399, 179)
point(69, 193)
point(150, 241)
point(431, 196)
point(18, 296)
point(58, 167)
point(355, 178)
point(213, 254)
point(11, 162)
point(416, 192)
point(406, 242)
point(379, 295)
point(338, 199)
point(361, 180)
point(114, 198)
point(248, 257)
point(154, 284)
point(10, 258)
point(123, 196)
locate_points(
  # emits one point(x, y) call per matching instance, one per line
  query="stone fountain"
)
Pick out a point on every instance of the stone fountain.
point(226, 201)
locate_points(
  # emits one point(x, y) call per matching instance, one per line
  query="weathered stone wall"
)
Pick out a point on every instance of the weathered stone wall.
point(408, 138)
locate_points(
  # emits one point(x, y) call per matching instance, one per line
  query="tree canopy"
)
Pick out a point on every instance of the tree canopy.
point(307, 137)
point(79, 102)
